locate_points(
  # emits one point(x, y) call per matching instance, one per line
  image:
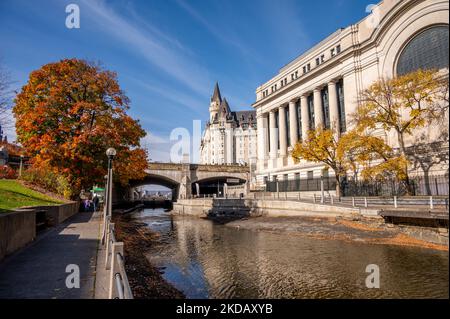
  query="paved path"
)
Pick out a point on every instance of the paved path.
point(39, 270)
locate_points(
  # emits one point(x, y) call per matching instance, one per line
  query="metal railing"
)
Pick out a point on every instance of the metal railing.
point(433, 185)
point(119, 287)
point(429, 202)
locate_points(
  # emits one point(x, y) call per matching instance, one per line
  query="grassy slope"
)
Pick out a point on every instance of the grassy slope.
point(13, 195)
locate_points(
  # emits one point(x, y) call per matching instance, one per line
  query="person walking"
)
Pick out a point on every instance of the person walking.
point(96, 202)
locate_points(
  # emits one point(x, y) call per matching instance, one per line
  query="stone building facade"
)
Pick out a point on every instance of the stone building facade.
point(229, 137)
point(321, 86)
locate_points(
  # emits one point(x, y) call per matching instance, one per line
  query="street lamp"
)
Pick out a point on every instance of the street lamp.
point(110, 152)
point(107, 212)
point(21, 165)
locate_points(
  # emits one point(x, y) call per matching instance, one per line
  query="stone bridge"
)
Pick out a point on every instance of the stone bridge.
point(186, 180)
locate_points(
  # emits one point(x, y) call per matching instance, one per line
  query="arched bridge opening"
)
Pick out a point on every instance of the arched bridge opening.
point(219, 186)
point(137, 188)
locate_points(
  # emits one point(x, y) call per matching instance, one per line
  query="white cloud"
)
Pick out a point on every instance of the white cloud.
point(158, 147)
point(226, 37)
point(153, 46)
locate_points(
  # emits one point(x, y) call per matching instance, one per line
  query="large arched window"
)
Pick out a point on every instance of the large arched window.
point(426, 50)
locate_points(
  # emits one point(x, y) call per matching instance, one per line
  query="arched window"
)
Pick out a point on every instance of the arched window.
point(426, 50)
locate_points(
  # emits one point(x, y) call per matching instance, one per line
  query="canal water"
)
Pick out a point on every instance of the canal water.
point(207, 260)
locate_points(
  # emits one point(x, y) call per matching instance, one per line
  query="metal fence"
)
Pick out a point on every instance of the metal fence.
point(119, 287)
point(421, 186)
point(301, 185)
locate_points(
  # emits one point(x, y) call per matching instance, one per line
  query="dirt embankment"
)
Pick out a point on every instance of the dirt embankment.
point(145, 280)
point(335, 229)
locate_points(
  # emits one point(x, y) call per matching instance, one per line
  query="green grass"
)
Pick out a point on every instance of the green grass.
point(14, 195)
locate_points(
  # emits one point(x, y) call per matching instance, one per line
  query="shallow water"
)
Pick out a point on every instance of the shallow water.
point(207, 260)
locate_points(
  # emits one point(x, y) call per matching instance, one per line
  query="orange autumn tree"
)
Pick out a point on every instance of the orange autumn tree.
point(68, 114)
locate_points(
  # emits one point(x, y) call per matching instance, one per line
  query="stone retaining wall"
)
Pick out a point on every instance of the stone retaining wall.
point(18, 228)
point(200, 207)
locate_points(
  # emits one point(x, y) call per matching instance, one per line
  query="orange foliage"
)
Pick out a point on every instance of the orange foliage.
point(69, 113)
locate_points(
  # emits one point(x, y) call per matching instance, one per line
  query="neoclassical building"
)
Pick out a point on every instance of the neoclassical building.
point(229, 137)
point(321, 86)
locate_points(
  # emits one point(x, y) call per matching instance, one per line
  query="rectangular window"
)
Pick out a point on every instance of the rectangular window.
point(299, 119)
point(322, 58)
point(308, 67)
point(341, 105)
point(304, 69)
point(326, 107)
point(285, 177)
point(311, 112)
point(296, 74)
point(297, 176)
point(310, 174)
point(317, 61)
point(338, 49)
point(332, 52)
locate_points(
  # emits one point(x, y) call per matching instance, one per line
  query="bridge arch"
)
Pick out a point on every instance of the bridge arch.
point(185, 179)
point(217, 185)
point(157, 179)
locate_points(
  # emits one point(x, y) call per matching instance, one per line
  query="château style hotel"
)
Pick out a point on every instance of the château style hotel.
point(321, 86)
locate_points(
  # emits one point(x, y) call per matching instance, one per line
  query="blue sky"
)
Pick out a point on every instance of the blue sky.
point(169, 53)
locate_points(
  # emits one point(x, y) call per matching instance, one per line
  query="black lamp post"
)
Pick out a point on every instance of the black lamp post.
point(110, 152)
point(21, 166)
point(107, 212)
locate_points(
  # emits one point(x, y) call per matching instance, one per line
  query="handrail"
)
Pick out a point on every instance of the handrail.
point(119, 286)
point(123, 275)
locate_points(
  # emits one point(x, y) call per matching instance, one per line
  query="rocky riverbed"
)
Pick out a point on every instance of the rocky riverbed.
point(367, 231)
point(145, 280)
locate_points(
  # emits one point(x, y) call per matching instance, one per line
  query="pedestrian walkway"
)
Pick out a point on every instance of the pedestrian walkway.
point(39, 270)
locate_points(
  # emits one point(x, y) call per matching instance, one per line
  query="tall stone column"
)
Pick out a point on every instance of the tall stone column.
point(283, 131)
point(305, 116)
point(266, 134)
point(273, 135)
point(260, 131)
point(333, 103)
point(293, 125)
point(318, 108)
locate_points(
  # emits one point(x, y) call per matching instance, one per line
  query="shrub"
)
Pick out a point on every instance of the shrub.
point(49, 180)
point(7, 172)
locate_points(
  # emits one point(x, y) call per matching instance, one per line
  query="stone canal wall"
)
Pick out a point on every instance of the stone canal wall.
point(269, 208)
point(195, 207)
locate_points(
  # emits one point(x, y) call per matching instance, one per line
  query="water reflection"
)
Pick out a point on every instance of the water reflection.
point(206, 260)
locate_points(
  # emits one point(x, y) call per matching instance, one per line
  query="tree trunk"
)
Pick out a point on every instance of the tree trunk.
point(338, 186)
point(401, 143)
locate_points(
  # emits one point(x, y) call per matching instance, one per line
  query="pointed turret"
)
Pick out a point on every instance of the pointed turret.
point(216, 101)
point(225, 107)
point(216, 97)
